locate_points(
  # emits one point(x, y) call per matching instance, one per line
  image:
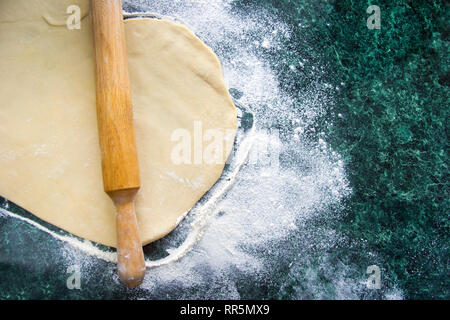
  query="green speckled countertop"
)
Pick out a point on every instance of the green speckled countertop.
point(384, 97)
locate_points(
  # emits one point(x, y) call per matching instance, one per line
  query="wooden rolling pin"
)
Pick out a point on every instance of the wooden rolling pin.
point(116, 132)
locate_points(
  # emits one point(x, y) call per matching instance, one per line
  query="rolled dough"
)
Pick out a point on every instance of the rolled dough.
point(49, 152)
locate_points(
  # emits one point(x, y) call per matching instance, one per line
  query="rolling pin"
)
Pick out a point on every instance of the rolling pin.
point(116, 134)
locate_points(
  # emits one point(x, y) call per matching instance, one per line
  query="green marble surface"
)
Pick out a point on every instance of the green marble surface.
point(394, 97)
point(386, 113)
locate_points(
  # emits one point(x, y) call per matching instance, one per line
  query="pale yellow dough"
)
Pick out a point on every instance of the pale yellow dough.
point(49, 152)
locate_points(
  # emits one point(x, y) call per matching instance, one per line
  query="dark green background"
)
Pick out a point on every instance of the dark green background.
point(394, 138)
point(394, 92)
